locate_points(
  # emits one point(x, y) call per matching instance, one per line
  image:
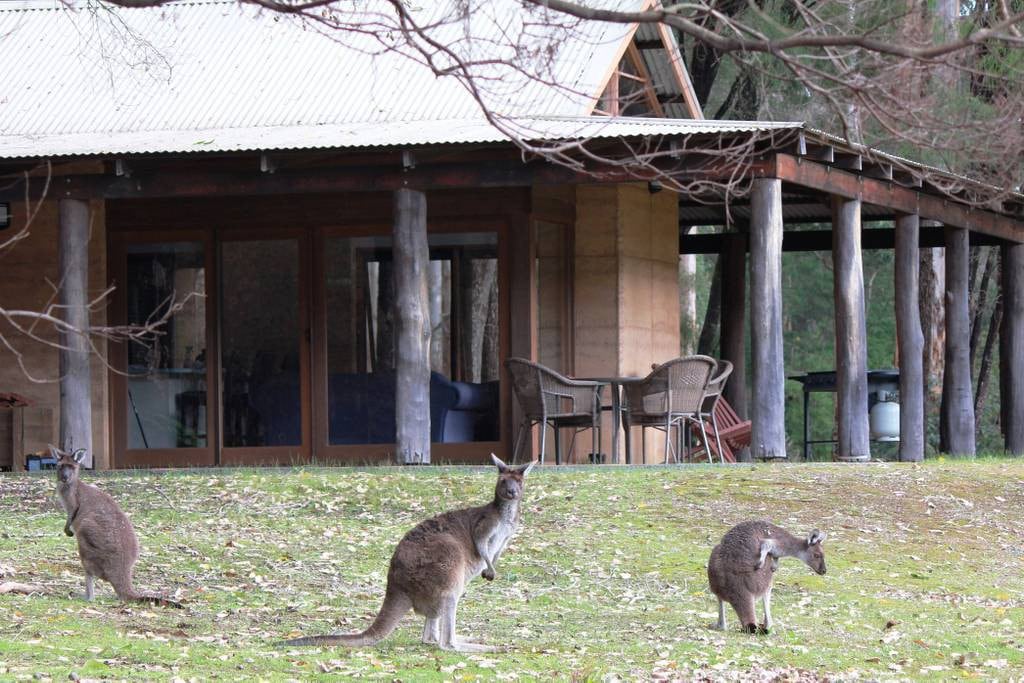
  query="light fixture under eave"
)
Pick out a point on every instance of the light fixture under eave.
point(5, 215)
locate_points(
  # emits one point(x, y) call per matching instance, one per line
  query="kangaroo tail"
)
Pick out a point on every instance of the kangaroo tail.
point(396, 604)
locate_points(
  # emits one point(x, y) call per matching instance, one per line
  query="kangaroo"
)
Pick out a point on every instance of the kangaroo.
point(739, 574)
point(435, 560)
point(106, 540)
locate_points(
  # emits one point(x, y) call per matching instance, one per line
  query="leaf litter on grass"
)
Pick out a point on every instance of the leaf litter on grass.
point(605, 581)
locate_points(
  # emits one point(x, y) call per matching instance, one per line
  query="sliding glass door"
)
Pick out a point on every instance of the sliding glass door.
point(264, 349)
point(162, 396)
point(232, 377)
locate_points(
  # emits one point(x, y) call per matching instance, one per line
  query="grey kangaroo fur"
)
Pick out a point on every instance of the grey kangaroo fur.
point(739, 574)
point(106, 540)
point(435, 560)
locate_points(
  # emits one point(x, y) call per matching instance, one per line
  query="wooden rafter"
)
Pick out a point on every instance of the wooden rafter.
point(633, 54)
point(679, 71)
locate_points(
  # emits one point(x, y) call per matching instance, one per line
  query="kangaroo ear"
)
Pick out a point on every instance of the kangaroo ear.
point(502, 467)
point(79, 455)
point(815, 538)
point(55, 452)
point(525, 469)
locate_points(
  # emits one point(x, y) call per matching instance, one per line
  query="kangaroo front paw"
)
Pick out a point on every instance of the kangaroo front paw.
point(750, 628)
point(68, 531)
point(764, 629)
point(758, 564)
point(488, 574)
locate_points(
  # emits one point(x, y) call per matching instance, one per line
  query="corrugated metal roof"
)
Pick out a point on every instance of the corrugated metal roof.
point(366, 134)
point(160, 78)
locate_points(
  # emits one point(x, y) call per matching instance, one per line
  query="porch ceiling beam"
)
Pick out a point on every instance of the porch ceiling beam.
point(355, 179)
point(821, 240)
point(903, 199)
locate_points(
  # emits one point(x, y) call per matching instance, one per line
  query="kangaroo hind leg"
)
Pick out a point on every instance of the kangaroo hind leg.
point(449, 640)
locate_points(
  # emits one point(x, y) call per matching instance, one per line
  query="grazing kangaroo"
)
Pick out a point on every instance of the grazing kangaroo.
point(738, 573)
point(435, 560)
point(106, 540)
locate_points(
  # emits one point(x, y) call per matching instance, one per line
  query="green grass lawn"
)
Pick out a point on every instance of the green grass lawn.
point(605, 580)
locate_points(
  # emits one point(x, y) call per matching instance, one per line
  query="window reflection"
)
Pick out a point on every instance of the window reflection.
point(464, 343)
point(167, 379)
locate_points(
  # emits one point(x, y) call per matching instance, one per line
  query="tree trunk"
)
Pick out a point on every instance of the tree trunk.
point(75, 376)
point(688, 300)
point(477, 279)
point(1011, 348)
point(933, 318)
point(412, 318)
point(385, 357)
point(851, 333)
point(709, 331)
point(910, 340)
point(732, 344)
point(768, 437)
point(490, 364)
point(979, 296)
point(956, 416)
point(984, 372)
point(439, 350)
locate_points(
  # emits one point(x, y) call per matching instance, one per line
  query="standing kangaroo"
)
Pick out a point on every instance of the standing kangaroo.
point(738, 573)
point(106, 540)
point(435, 560)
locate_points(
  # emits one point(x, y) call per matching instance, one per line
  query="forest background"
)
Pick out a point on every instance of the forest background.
point(749, 86)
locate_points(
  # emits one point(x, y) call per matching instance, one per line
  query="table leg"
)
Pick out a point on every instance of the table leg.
point(807, 428)
point(616, 416)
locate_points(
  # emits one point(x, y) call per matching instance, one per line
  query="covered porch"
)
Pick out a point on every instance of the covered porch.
point(280, 358)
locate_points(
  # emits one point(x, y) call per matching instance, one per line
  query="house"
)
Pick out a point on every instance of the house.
point(242, 166)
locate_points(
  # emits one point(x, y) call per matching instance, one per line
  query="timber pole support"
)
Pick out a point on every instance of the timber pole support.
point(412, 321)
point(75, 375)
point(851, 333)
point(910, 338)
point(956, 419)
point(1011, 349)
point(732, 342)
point(768, 437)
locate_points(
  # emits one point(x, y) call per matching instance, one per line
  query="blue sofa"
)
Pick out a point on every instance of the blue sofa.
point(361, 409)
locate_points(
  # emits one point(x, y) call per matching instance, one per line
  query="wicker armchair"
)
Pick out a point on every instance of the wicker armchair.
point(548, 398)
point(672, 395)
point(709, 405)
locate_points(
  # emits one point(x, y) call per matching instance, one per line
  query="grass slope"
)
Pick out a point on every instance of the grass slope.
point(606, 579)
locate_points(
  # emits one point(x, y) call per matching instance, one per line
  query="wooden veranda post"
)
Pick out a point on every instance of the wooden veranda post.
point(768, 428)
point(75, 376)
point(733, 348)
point(851, 332)
point(956, 420)
point(910, 338)
point(1011, 348)
point(412, 321)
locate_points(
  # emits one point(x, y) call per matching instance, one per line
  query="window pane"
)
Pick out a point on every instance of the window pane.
point(260, 343)
point(464, 345)
point(167, 379)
